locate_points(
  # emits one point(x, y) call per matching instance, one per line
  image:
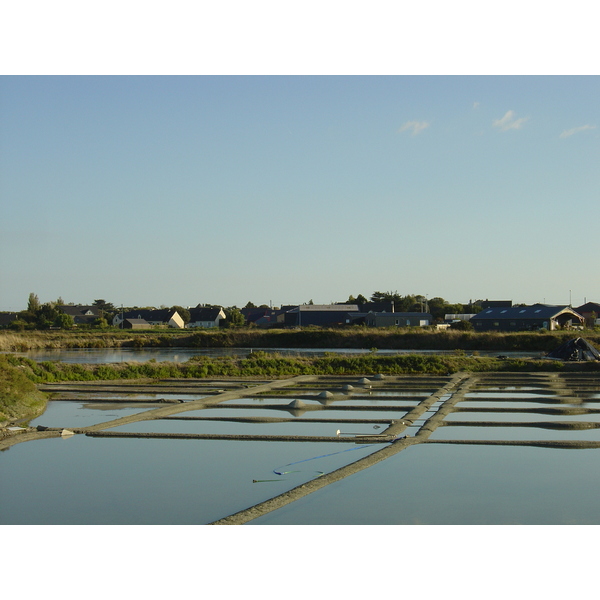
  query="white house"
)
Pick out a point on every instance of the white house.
point(203, 316)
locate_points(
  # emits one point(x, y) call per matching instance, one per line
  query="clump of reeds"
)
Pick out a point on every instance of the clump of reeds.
point(19, 397)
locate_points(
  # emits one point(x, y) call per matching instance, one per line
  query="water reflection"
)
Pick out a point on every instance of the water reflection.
point(142, 480)
point(513, 433)
point(148, 481)
point(82, 414)
point(458, 485)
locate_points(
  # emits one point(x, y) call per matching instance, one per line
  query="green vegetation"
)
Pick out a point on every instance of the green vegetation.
point(392, 338)
point(19, 397)
point(274, 365)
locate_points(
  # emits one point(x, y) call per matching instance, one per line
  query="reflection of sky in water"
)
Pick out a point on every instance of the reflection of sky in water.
point(83, 414)
point(233, 428)
point(516, 416)
point(513, 433)
point(283, 413)
point(375, 402)
point(83, 480)
point(280, 401)
point(91, 398)
point(515, 395)
point(458, 485)
point(397, 394)
point(97, 480)
point(506, 388)
point(522, 404)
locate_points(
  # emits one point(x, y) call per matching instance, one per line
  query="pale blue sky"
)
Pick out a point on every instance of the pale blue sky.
point(179, 190)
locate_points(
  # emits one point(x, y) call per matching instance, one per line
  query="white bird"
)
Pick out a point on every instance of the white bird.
point(338, 433)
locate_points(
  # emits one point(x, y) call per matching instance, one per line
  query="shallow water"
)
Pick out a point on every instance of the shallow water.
point(283, 413)
point(458, 485)
point(512, 395)
point(245, 428)
point(83, 414)
point(185, 481)
point(507, 404)
point(513, 433)
point(517, 416)
point(152, 481)
point(316, 401)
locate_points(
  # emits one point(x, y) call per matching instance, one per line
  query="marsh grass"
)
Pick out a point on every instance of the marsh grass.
point(274, 365)
point(391, 338)
point(19, 396)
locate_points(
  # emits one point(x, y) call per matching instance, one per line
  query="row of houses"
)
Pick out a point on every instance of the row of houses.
point(495, 316)
point(201, 316)
point(372, 314)
point(320, 315)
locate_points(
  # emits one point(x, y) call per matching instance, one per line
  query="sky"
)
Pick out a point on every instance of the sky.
point(275, 188)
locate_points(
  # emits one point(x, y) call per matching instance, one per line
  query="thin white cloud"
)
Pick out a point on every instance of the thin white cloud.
point(475, 104)
point(508, 121)
point(415, 126)
point(569, 132)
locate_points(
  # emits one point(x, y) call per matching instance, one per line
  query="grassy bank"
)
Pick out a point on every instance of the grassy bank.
point(263, 364)
point(19, 396)
point(354, 337)
point(20, 399)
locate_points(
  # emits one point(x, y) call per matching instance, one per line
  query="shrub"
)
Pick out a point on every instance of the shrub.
point(19, 397)
point(462, 326)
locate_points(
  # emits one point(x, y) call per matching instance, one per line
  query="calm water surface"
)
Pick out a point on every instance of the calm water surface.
point(458, 485)
point(84, 480)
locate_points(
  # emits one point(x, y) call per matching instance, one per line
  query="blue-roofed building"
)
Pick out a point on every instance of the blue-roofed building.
point(526, 318)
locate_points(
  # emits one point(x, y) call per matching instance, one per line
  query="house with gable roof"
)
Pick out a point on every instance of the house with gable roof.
point(82, 315)
point(205, 316)
point(164, 317)
point(590, 311)
point(526, 318)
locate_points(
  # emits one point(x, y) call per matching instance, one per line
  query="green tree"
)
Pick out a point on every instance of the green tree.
point(64, 321)
point(46, 316)
point(33, 304)
point(462, 326)
point(360, 299)
point(234, 317)
point(19, 325)
point(437, 308)
point(401, 303)
point(106, 309)
point(100, 323)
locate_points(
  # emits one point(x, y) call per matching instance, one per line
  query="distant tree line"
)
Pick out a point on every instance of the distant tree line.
point(48, 315)
point(437, 307)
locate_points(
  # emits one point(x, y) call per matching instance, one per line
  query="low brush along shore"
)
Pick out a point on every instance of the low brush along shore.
point(352, 337)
